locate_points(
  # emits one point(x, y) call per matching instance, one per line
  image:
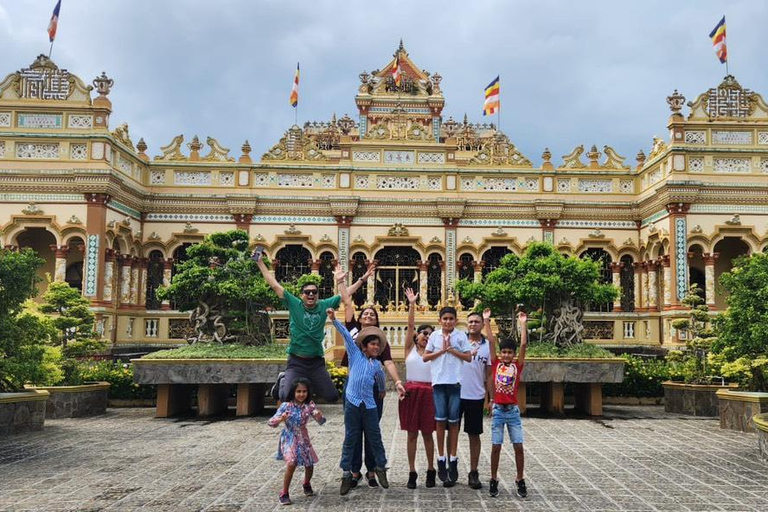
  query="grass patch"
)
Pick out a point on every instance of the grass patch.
point(216, 351)
point(582, 350)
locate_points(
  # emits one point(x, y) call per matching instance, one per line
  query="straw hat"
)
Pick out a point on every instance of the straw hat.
point(372, 331)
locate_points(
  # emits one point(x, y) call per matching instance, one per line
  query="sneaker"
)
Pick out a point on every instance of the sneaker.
point(356, 480)
point(453, 471)
point(473, 480)
point(442, 472)
point(521, 489)
point(371, 476)
point(274, 392)
point(412, 476)
point(308, 490)
point(346, 483)
point(431, 474)
point(381, 474)
point(284, 499)
point(494, 488)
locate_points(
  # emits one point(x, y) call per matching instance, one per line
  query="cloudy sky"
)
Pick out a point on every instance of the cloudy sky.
point(571, 72)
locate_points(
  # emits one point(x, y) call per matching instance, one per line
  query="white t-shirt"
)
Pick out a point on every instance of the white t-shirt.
point(473, 374)
point(446, 369)
point(416, 369)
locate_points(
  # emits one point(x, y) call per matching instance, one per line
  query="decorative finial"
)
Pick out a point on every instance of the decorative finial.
point(594, 156)
point(195, 146)
point(246, 148)
point(401, 48)
point(640, 159)
point(103, 84)
point(546, 155)
point(141, 146)
point(676, 102)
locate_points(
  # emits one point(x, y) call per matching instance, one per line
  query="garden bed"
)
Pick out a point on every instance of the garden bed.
point(22, 412)
point(693, 399)
point(761, 425)
point(737, 408)
point(88, 399)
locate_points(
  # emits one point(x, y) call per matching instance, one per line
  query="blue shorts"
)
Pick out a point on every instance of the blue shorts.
point(447, 402)
point(506, 416)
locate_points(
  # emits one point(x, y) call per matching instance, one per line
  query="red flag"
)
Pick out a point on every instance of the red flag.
point(397, 73)
point(54, 24)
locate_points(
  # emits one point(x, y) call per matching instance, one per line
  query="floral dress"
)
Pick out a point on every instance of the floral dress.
point(294, 446)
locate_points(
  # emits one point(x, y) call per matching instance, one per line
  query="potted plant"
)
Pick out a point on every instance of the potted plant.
point(741, 351)
point(696, 394)
point(22, 339)
point(73, 344)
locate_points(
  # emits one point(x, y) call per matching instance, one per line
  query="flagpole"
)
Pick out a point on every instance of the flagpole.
point(498, 119)
point(50, 51)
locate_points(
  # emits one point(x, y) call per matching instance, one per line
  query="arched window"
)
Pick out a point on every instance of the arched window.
point(74, 273)
point(467, 271)
point(154, 278)
point(358, 267)
point(728, 249)
point(627, 281)
point(604, 260)
point(293, 261)
point(434, 279)
point(492, 258)
point(327, 262)
point(398, 269)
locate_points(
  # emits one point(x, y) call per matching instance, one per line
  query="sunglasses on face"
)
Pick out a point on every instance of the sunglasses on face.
point(309, 292)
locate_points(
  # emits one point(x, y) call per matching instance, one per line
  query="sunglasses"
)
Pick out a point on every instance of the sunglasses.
point(309, 292)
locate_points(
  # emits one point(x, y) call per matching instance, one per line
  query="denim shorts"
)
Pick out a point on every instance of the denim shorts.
point(506, 416)
point(447, 402)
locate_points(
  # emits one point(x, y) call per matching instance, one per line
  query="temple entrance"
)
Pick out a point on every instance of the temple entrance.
point(397, 270)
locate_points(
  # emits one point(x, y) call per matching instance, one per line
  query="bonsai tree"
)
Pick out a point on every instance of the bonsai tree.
point(543, 280)
point(223, 289)
point(741, 350)
point(73, 320)
point(22, 335)
point(699, 338)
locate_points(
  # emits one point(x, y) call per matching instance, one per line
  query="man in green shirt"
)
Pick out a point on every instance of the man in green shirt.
point(306, 355)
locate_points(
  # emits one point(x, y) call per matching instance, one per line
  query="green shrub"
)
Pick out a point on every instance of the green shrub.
point(643, 377)
point(120, 376)
point(581, 350)
point(226, 351)
point(338, 375)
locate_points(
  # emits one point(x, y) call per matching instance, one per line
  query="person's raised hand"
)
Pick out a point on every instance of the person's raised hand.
point(487, 314)
point(411, 296)
point(339, 275)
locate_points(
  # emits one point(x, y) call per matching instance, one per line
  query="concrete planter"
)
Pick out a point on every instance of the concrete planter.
point(22, 412)
point(737, 408)
point(760, 421)
point(693, 399)
point(89, 399)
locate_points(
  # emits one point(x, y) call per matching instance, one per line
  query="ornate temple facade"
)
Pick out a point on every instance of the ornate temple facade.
point(433, 200)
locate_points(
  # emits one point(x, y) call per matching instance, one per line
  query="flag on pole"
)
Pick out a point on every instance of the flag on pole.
point(718, 40)
point(397, 73)
point(54, 23)
point(295, 91)
point(492, 102)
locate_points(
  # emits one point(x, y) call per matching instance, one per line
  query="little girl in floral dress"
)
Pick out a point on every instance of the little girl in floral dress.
point(295, 447)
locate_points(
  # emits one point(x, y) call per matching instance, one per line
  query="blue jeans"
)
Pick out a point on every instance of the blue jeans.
point(447, 402)
point(359, 420)
point(506, 416)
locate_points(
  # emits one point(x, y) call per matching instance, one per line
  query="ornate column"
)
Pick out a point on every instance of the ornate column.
point(143, 264)
point(667, 281)
point(653, 285)
point(678, 251)
point(95, 246)
point(60, 267)
point(450, 224)
point(167, 269)
point(423, 266)
point(709, 278)
point(342, 225)
point(477, 276)
point(616, 280)
point(125, 280)
point(370, 286)
point(109, 273)
point(135, 281)
point(639, 292)
point(645, 287)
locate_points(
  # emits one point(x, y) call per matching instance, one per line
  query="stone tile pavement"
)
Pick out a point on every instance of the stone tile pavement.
point(634, 458)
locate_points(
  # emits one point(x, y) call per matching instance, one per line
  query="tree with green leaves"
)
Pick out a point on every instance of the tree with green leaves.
point(543, 280)
point(223, 289)
point(741, 348)
point(22, 335)
point(699, 338)
point(73, 320)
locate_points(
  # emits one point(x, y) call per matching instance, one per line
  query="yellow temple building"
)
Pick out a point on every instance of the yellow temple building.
point(432, 200)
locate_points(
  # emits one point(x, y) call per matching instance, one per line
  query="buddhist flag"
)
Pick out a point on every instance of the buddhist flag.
point(397, 73)
point(492, 102)
point(295, 91)
point(718, 41)
point(54, 24)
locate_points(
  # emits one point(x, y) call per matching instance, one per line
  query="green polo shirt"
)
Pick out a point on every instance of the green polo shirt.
point(307, 325)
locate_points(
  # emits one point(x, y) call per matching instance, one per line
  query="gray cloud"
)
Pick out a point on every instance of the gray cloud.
point(571, 72)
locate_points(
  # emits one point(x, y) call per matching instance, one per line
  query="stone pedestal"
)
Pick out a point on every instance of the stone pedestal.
point(737, 408)
point(22, 412)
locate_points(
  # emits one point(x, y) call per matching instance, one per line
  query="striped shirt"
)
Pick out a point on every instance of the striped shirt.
point(362, 371)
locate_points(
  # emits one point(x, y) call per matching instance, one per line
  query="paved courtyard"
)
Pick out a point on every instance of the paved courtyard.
point(634, 458)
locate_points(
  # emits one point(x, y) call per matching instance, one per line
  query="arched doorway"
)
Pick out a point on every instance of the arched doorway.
point(40, 240)
point(729, 248)
point(154, 278)
point(74, 270)
point(293, 261)
point(696, 273)
point(434, 279)
point(492, 258)
point(627, 283)
point(466, 267)
point(398, 269)
point(358, 266)
point(327, 262)
point(603, 259)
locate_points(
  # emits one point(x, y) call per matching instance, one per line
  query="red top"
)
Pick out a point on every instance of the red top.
point(506, 379)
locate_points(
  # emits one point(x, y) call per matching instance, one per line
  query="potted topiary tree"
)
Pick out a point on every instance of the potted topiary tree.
point(74, 343)
point(22, 344)
point(696, 395)
point(740, 352)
